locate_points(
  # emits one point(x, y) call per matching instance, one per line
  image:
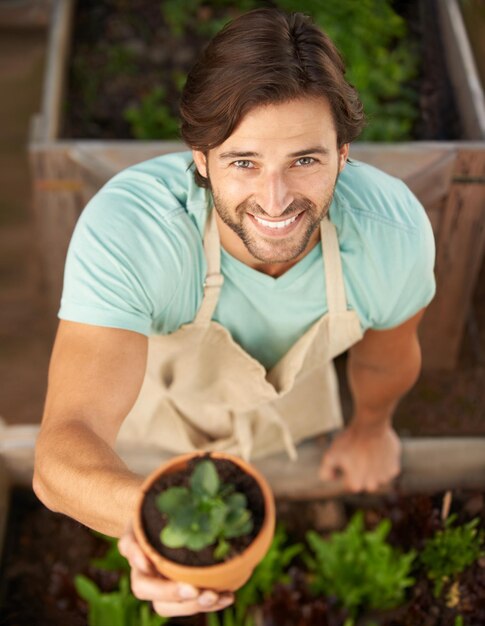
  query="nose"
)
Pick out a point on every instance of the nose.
point(273, 195)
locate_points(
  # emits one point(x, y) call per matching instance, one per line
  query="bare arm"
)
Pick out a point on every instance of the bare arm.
point(95, 376)
point(382, 367)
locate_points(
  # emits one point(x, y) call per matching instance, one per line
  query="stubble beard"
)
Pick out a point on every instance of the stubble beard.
point(268, 250)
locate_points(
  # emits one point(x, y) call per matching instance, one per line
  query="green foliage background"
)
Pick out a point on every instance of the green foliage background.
point(381, 59)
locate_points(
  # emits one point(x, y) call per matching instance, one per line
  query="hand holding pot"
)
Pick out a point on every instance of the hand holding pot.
point(169, 598)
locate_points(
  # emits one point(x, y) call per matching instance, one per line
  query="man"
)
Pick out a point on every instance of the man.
point(204, 302)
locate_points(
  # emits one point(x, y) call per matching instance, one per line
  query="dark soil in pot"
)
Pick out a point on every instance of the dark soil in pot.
point(228, 472)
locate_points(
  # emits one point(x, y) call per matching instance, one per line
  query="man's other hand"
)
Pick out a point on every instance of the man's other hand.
point(365, 457)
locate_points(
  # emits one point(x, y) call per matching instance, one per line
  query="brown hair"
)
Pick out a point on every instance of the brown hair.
point(264, 57)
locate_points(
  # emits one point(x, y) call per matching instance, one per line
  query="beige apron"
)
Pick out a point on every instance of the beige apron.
point(202, 391)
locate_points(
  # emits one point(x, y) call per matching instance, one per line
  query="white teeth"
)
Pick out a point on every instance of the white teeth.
point(281, 224)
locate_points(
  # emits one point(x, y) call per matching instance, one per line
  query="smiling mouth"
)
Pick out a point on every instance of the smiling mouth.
point(276, 224)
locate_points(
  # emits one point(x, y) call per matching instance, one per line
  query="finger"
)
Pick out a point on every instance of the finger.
point(371, 486)
point(328, 469)
point(172, 609)
point(353, 481)
point(129, 548)
point(158, 589)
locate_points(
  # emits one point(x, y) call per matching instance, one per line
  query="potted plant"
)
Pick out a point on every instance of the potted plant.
point(206, 519)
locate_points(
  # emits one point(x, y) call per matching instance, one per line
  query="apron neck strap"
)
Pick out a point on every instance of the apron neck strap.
point(334, 278)
point(213, 279)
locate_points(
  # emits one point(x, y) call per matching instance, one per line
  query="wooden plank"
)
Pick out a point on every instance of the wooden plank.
point(424, 468)
point(58, 198)
point(462, 69)
point(460, 251)
point(5, 483)
point(407, 161)
point(26, 14)
point(56, 67)
point(428, 464)
point(431, 184)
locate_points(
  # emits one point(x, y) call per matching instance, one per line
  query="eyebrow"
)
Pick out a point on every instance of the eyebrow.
point(236, 154)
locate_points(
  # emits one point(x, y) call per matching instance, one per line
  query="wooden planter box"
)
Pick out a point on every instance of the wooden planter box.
point(429, 464)
point(447, 177)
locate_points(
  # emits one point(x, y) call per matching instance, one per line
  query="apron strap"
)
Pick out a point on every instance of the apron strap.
point(334, 278)
point(213, 279)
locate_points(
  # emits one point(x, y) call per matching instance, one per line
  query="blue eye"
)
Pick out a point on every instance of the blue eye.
point(243, 164)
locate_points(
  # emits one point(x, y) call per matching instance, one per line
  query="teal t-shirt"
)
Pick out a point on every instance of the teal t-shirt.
point(136, 260)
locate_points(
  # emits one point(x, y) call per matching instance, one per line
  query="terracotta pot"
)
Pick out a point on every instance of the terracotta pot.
point(228, 575)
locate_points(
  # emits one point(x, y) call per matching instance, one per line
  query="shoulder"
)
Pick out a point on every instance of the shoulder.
point(371, 195)
point(165, 182)
point(151, 199)
point(387, 245)
point(136, 245)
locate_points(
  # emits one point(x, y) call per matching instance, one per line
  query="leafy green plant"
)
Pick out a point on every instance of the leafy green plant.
point(380, 59)
point(359, 567)
point(151, 118)
point(119, 607)
point(204, 513)
point(271, 570)
point(451, 550)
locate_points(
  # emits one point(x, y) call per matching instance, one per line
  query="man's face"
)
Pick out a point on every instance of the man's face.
point(273, 180)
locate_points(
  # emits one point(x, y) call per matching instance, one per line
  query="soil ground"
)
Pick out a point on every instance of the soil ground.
point(441, 403)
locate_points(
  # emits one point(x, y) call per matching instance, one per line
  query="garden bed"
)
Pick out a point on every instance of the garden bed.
point(45, 551)
point(128, 62)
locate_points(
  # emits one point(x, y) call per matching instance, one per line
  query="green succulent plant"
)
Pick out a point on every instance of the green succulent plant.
point(360, 568)
point(205, 513)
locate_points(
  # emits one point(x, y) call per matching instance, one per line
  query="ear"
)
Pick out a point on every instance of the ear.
point(343, 154)
point(200, 161)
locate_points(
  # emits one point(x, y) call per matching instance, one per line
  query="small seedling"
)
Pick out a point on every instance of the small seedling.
point(451, 550)
point(270, 571)
point(205, 513)
point(359, 567)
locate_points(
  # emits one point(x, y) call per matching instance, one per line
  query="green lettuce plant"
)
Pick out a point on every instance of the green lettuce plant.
point(451, 550)
point(204, 513)
point(382, 60)
point(151, 118)
point(360, 568)
point(118, 607)
point(271, 570)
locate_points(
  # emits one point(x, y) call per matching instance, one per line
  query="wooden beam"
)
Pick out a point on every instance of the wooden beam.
point(460, 251)
point(462, 69)
point(428, 464)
